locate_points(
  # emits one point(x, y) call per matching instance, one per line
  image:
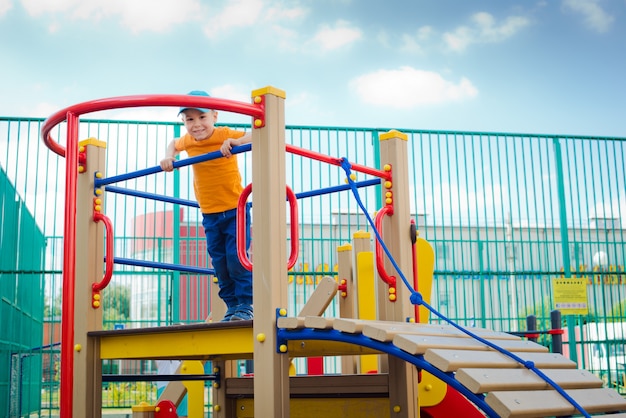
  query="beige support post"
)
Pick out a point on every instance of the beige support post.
point(321, 297)
point(271, 369)
point(87, 398)
point(347, 298)
point(228, 368)
point(218, 307)
point(345, 278)
point(222, 406)
point(218, 388)
point(396, 234)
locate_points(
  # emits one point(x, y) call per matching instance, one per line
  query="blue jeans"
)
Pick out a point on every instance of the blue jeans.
point(235, 282)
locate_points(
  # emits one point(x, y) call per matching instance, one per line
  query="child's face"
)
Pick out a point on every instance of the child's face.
point(200, 125)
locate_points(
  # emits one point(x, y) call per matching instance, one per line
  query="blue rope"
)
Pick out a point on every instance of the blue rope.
point(345, 164)
point(417, 299)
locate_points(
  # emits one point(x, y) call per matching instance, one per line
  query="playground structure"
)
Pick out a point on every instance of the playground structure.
point(273, 338)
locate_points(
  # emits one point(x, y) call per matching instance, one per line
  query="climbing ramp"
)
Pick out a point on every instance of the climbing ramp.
point(495, 383)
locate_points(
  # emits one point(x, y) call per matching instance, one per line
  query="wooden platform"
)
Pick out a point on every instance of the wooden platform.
point(511, 389)
point(202, 341)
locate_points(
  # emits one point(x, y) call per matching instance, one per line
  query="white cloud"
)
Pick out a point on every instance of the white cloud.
point(236, 14)
point(39, 110)
point(484, 29)
point(39, 7)
point(280, 13)
point(239, 14)
point(158, 114)
point(408, 87)
point(5, 6)
point(158, 15)
point(231, 92)
point(594, 16)
point(413, 43)
point(342, 34)
point(286, 39)
point(137, 15)
point(459, 204)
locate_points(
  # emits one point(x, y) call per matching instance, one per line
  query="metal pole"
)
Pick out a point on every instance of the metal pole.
point(176, 244)
point(567, 271)
point(531, 325)
point(557, 338)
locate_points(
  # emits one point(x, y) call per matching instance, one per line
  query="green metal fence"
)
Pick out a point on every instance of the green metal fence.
point(22, 246)
point(505, 213)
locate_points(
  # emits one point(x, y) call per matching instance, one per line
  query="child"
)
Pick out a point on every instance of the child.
point(217, 186)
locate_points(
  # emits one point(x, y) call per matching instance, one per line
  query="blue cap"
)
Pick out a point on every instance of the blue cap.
point(195, 93)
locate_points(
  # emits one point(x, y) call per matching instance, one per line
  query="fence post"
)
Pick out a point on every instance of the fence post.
point(557, 337)
point(567, 271)
point(176, 297)
point(531, 327)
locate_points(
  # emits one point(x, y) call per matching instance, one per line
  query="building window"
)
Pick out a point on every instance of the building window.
point(441, 250)
point(576, 255)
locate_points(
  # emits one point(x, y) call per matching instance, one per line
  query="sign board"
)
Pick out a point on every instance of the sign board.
point(570, 296)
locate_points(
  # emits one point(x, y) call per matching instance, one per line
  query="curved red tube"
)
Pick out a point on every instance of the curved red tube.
point(120, 102)
point(380, 264)
point(241, 228)
point(295, 239)
point(108, 271)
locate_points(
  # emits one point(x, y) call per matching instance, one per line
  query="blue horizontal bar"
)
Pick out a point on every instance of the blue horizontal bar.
point(128, 192)
point(335, 189)
point(163, 266)
point(177, 164)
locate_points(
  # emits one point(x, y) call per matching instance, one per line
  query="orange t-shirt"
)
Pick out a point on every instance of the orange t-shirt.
point(216, 183)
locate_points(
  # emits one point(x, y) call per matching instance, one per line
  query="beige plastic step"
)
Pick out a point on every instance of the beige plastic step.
point(487, 380)
point(452, 360)
point(418, 344)
point(542, 403)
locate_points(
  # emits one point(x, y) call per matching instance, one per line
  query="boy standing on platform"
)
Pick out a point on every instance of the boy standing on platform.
point(217, 186)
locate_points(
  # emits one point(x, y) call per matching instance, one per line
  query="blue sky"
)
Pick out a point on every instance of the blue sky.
point(485, 65)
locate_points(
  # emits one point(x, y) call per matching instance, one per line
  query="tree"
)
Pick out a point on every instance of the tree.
point(116, 305)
